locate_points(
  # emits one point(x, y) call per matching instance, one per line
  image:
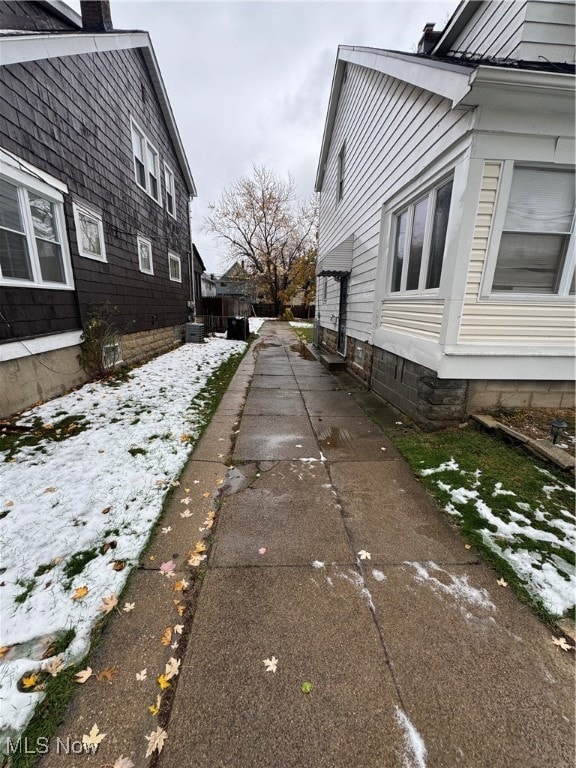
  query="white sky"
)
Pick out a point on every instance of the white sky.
point(249, 82)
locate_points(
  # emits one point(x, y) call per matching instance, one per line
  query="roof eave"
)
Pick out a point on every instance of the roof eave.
point(18, 49)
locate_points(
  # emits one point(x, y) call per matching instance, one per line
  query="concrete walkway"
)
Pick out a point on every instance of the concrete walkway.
point(416, 657)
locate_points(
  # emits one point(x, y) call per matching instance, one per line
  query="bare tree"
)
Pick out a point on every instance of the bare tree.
point(265, 227)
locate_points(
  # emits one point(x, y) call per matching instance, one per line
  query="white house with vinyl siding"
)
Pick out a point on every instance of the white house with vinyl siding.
point(446, 180)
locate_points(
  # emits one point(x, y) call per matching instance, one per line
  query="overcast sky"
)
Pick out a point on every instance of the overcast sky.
point(249, 82)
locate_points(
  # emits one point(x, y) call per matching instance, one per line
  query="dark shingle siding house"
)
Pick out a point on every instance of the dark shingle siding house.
point(95, 196)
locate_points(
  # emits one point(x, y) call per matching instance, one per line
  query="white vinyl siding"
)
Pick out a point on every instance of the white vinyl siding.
point(529, 30)
point(494, 30)
point(423, 318)
point(393, 131)
point(501, 322)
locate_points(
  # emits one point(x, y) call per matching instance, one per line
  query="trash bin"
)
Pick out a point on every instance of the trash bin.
point(237, 329)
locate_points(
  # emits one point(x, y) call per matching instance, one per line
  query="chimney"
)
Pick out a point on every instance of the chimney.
point(429, 38)
point(96, 15)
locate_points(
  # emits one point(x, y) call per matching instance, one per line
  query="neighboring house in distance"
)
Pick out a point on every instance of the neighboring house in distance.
point(208, 285)
point(235, 282)
point(446, 181)
point(95, 194)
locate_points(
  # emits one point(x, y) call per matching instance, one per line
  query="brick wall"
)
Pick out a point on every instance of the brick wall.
point(146, 344)
point(485, 395)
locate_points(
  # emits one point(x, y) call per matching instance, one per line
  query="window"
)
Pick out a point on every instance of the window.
point(146, 163)
point(325, 291)
point(174, 267)
point(145, 255)
point(90, 233)
point(33, 248)
point(340, 177)
point(536, 252)
point(420, 240)
point(170, 191)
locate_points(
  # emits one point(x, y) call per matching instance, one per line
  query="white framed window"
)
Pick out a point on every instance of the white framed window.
point(145, 255)
point(146, 162)
point(90, 232)
point(341, 170)
point(170, 190)
point(33, 244)
point(174, 267)
point(419, 241)
point(532, 247)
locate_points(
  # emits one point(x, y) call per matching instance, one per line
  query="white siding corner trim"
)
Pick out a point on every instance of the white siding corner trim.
point(14, 349)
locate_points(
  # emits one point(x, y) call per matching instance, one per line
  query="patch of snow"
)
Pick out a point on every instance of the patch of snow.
point(414, 755)
point(378, 575)
point(442, 468)
point(556, 591)
point(299, 324)
point(318, 564)
point(255, 323)
point(59, 495)
point(357, 581)
point(451, 510)
point(457, 587)
point(499, 491)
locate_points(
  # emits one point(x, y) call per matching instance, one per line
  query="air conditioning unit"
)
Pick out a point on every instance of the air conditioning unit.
point(194, 333)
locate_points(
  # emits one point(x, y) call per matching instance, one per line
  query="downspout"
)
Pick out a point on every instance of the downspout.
point(191, 276)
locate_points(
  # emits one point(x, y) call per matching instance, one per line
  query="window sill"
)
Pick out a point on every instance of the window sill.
point(94, 258)
point(157, 201)
point(5, 283)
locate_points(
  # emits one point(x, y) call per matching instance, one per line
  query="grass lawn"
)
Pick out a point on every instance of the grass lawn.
point(304, 331)
point(517, 510)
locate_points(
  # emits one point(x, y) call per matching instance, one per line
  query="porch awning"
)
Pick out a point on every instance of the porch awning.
point(338, 261)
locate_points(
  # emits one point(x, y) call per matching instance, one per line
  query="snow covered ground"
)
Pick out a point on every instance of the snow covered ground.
point(537, 539)
point(73, 510)
point(299, 324)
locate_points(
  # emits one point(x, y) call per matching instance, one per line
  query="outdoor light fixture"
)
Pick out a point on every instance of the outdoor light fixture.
point(556, 428)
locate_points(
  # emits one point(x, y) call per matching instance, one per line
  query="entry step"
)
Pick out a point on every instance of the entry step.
point(332, 362)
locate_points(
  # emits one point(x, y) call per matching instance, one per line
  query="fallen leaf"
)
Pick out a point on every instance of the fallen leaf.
point(167, 529)
point(123, 762)
point(262, 551)
point(200, 547)
point(561, 643)
point(163, 682)
point(106, 510)
point(175, 483)
point(108, 603)
point(172, 668)
point(107, 674)
point(55, 666)
point(4, 650)
point(155, 741)
point(363, 555)
point(206, 494)
point(271, 664)
point(174, 646)
point(184, 438)
point(30, 681)
point(502, 583)
point(83, 675)
point(142, 675)
point(178, 628)
point(195, 560)
point(167, 569)
point(79, 593)
point(467, 546)
point(129, 607)
point(180, 608)
point(185, 500)
point(167, 636)
point(181, 585)
point(119, 565)
point(306, 687)
point(93, 738)
point(56, 560)
point(186, 513)
point(50, 489)
point(155, 708)
point(9, 503)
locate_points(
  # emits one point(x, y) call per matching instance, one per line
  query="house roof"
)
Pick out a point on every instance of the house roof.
point(450, 77)
point(19, 47)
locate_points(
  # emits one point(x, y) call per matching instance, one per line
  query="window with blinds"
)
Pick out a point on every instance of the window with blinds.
point(536, 249)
